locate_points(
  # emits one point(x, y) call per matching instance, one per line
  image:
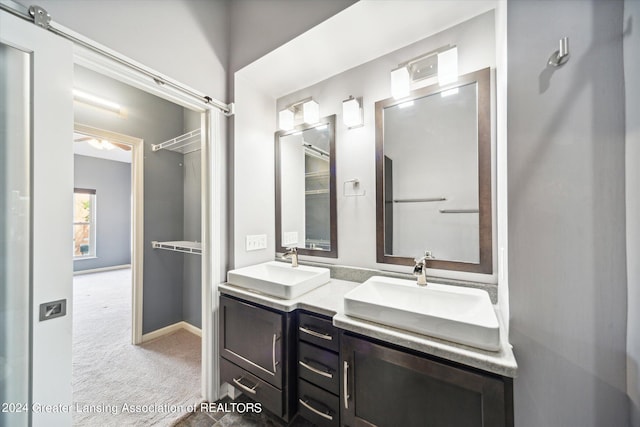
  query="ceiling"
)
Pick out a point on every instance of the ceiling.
point(358, 34)
point(83, 148)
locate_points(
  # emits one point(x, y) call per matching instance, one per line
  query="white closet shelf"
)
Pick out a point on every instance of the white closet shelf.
point(179, 246)
point(183, 144)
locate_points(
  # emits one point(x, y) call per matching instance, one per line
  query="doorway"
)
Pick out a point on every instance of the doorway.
point(165, 299)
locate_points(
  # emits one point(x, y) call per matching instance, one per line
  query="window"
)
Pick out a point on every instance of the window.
point(84, 223)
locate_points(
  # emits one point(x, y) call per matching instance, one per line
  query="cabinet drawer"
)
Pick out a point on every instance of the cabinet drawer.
point(318, 406)
point(270, 397)
point(318, 331)
point(252, 338)
point(319, 366)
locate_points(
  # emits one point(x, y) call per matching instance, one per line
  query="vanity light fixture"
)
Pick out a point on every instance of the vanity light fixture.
point(306, 110)
point(311, 112)
point(400, 82)
point(285, 119)
point(448, 66)
point(442, 62)
point(96, 101)
point(352, 112)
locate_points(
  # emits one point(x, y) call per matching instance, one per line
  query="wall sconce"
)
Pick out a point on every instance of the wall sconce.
point(400, 82)
point(352, 115)
point(285, 119)
point(96, 101)
point(442, 62)
point(306, 110)
point(311, 112)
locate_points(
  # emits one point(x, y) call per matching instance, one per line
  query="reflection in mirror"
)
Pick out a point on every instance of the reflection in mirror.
point(305, 189)
point(434, 176)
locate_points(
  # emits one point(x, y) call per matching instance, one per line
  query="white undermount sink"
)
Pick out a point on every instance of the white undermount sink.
point(279, 279)
point(453, 313)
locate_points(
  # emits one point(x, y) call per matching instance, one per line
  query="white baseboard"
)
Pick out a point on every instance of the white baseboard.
point(171, 329)
point(101, 269)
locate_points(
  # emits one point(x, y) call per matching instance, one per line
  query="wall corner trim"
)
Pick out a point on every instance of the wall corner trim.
point(167, 330)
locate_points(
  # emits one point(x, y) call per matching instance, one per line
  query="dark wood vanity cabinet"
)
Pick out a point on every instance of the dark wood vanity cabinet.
point(387, 387)
point(318, 370)
point(299, 363)
point(257, 356)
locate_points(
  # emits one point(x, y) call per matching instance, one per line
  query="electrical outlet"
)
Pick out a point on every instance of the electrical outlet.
point(256, 241)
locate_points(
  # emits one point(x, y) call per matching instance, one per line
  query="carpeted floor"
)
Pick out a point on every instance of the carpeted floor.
point(116, 383)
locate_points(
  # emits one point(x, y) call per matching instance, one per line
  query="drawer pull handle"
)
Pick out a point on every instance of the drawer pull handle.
point(248, 389)
point(345, 383)
point(314, 370)
point(315, 334)
point(315, 411)
point(273, 352)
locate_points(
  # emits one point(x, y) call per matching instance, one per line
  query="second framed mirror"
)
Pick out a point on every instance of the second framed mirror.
point(305, 173)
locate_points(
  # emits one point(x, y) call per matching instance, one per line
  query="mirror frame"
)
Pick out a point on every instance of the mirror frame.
point(485, 266)
point(333, 215)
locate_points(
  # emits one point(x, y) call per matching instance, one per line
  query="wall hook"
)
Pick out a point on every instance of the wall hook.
point(560, 56)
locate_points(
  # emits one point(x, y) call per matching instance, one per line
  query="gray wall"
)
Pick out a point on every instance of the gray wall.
point(112, 182)
point(154, 34)
point(154, 120)
point(259, 26)
point(567, 271)
point(632, 90)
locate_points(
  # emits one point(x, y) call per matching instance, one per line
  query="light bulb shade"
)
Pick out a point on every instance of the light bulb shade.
point(448, 66)
point(351, 113)
point(285, 119)
point(311, 112)
point(400, 83)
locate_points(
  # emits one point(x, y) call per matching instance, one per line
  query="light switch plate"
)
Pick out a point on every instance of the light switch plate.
point(256, 242)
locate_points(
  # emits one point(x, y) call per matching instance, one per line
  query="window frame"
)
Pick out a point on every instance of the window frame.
point(92, 224)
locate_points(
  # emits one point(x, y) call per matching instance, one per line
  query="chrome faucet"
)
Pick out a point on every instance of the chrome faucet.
point(420, 269)
point(293, 253)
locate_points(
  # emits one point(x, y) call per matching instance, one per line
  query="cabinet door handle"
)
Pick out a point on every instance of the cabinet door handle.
point(345, 386)
point(273, 352)
point(314, 410)
point(315, 334)
point(326, 374)
point(248, 389)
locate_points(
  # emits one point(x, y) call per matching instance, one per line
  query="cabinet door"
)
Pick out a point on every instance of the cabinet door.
point(389, 388)
point(252, 338)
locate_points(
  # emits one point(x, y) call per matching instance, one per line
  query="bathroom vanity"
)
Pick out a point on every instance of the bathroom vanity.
point(305, 356)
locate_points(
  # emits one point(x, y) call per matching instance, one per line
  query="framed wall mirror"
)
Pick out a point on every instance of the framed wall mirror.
point(306, 215)
point(433, 176)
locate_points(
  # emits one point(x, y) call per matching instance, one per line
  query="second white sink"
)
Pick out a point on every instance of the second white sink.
point(279, 279)
point(453, 313)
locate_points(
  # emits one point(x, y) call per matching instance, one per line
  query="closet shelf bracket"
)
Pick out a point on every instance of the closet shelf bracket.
point(179, 246)
point(183, 144)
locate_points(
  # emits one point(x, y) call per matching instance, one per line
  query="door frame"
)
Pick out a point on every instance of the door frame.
point(137, 218)
point(212, 186)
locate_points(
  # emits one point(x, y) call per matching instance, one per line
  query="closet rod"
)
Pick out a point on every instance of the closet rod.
point(41, 17)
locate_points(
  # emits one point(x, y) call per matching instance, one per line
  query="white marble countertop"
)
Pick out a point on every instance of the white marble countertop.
point(328, 300)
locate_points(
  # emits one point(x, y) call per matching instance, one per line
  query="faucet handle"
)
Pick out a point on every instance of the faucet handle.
point(428, 255)
point(292, 249)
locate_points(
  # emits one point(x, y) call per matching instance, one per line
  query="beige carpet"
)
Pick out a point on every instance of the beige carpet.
point(116, 383)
